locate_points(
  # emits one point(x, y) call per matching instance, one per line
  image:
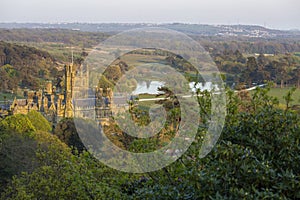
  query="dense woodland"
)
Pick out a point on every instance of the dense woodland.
point(23, 66)
point(256, 157)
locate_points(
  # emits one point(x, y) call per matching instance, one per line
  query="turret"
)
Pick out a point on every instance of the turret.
point(69, 83)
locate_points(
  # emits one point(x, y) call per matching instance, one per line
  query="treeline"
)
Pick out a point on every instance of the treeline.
point(250, 45)
point(210, 43)
point(23, 66)
point(283, 69)
point(69, 37)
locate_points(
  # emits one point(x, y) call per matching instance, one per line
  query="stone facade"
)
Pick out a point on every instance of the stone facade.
point(53, 102)
point(73, 99)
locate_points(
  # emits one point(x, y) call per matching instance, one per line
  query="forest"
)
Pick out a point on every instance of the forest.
point(256, 157)
point(23, 66)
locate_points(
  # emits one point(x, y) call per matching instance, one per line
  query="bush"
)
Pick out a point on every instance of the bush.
point(39, 121)
point(18, 123)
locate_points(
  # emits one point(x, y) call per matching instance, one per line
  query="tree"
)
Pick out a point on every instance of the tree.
point(296, 73)
point(17, 155)
point(255, 158)
point(113, 73)
point(104, 83)
point(40, 166)
point(59, 174)
point(281, 73)
point(19, 123)
point(39, 121)
point(239, 57)
point(261, 60)
point(66, 131)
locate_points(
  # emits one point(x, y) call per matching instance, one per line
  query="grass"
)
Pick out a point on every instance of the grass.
point(59, 51)
point(279, 93)
point(137, 59)
point(8, 96)
point(147, 96)
point(146, 104)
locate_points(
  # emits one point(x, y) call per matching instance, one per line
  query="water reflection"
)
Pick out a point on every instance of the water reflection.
point(152, 87)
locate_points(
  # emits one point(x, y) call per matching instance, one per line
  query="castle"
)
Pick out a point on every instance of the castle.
point(53, 102)
point(74, 98)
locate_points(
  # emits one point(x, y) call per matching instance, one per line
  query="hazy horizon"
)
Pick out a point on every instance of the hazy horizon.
point(281, 14)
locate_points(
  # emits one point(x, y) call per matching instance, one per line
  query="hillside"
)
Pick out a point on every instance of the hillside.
point(197, 29)
point(23, 66)
point(57, 37)
point(63, 36)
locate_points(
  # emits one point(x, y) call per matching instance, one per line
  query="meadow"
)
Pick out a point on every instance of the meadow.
point(279, 93)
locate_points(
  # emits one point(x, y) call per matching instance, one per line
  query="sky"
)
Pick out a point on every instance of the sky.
point(279, 14)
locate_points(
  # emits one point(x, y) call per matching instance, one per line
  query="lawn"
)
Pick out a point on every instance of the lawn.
point(279, 93)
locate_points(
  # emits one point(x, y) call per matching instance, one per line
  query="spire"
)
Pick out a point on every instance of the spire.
point(72, 57)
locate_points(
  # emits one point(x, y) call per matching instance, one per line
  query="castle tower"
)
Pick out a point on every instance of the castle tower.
point(69, 83)
point(39, 95)
point(45, 104)
point(103, 105)
point(60, 107)
point(49, 87)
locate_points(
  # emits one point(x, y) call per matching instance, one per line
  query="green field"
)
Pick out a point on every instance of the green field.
point(279, 93)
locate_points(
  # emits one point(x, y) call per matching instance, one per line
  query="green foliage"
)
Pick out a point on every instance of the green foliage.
point(105, 83)
point(52, 36)
point(17, 155)
point(24, 66)
point(283, 69)
point(279, 93)
point(51, 171)
point(39, 121)
point(112, 73)
point(19, 123)
point(69, 179)
point(66, 131)
point(256, 157)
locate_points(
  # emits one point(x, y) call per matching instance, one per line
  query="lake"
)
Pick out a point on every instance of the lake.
point(152, 87)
